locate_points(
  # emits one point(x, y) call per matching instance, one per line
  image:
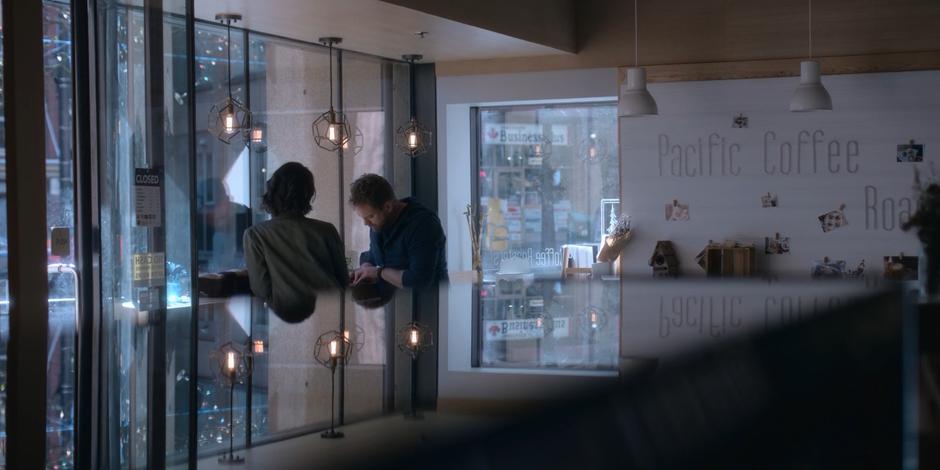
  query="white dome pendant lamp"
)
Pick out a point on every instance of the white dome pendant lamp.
point(810, 95)
point(635, 99)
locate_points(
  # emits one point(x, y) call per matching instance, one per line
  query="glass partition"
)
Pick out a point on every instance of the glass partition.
point(548, 186)
point(60, 219)
point(4, 273)
point(146, 257)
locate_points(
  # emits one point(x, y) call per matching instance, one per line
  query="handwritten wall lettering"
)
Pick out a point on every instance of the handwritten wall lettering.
point(706, 156)
point(887, 213)
point(701, 314)
point(809, 154)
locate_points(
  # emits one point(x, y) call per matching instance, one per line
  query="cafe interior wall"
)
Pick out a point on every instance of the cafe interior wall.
point(812, 163)
point(874, 114)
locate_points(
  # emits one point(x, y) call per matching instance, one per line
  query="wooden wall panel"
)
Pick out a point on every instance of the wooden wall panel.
point(682, 32)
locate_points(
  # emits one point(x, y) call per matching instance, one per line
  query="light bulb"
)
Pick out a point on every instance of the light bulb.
point(414, 337)
point(334, 133)
point(334, 348)
point(230, 361)
point(257, 135)
point(592, 152)
point(346, 334)
point(412, 140)
point(229, 122)
point(538, 322)
point(258, 346)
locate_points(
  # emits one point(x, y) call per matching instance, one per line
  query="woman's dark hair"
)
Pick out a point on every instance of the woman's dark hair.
point(289, 191)
point(371, 189)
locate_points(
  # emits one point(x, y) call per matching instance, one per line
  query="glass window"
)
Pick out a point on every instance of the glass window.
point(370, 88)
point(4, 273)
point(547, 178)
point(145, 265)
point(63, 277)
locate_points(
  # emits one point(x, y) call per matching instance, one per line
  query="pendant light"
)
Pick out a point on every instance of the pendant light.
point(231, 117)
point(635, 99)
point(331, 129)
point(810, 95)
point(413, 139)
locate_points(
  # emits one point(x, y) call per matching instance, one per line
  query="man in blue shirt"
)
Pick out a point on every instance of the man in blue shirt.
point(406, 243)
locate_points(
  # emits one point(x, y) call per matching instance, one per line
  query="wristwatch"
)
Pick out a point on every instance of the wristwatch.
point(378, 271)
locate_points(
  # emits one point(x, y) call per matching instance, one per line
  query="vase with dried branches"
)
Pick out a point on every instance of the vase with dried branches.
point(473, 224)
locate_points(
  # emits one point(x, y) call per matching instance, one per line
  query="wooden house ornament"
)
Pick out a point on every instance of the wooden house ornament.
point(664, 260)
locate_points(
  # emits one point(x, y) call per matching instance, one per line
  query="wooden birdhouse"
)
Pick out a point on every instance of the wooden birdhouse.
point(664, 260)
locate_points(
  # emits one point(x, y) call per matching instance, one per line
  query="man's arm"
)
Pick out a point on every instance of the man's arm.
point(424, 248)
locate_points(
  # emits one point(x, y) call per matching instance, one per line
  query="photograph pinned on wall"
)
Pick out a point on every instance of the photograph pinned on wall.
point(857, 273)
point(739, 122)
point(676, 211)
point(777, 245)
point(768, 200)
point(901, 268)
point(828, 269)
point(910, 152)
point(833, 219)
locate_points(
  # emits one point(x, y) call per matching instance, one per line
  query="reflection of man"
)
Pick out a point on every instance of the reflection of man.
point(406, 243)
point(221, 223)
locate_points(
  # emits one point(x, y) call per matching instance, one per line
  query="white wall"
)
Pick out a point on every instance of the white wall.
point(873, 113)
point(455, 96)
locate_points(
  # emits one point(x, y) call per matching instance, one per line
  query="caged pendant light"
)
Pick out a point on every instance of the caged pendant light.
point(331, 130)
point(635, 99)
point(810, 95)
point(231, 117)
point(413, 139)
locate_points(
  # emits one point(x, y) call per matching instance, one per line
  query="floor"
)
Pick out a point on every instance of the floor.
point(364, 442)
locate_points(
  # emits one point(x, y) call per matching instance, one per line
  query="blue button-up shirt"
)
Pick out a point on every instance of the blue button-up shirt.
point(414, 244)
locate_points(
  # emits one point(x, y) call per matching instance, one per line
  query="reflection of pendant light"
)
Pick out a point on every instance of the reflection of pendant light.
point(230, 117)
point(635, 99)
point(413, 139)
point(258, 137)
point(810, 95)
point(331, 129)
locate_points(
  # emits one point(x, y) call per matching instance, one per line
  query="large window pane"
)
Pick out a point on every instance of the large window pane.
point(177, 144)
point(223, 214)
point(4, 255)
point(289, 90)
point(548, 187)
point(63, 277)
point(146, 263)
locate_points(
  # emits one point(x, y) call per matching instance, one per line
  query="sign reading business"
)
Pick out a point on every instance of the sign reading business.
point(525, 134)
point(528, 328)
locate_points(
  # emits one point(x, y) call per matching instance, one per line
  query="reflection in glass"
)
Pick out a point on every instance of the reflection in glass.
point(543, 174)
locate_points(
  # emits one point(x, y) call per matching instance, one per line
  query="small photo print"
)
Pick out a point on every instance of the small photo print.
point(676, 211)
point(768, 200)
point(901, 268)
point(828, 269)
point(833, 219)
point(776, 245)
point(910, 153)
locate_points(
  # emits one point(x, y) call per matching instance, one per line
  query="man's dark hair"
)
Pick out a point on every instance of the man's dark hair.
point(289, 191)
point(371, 189)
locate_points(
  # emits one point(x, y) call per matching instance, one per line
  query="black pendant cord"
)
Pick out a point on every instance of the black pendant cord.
point(411, 73)
point(228, 27)
point(331, 75)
